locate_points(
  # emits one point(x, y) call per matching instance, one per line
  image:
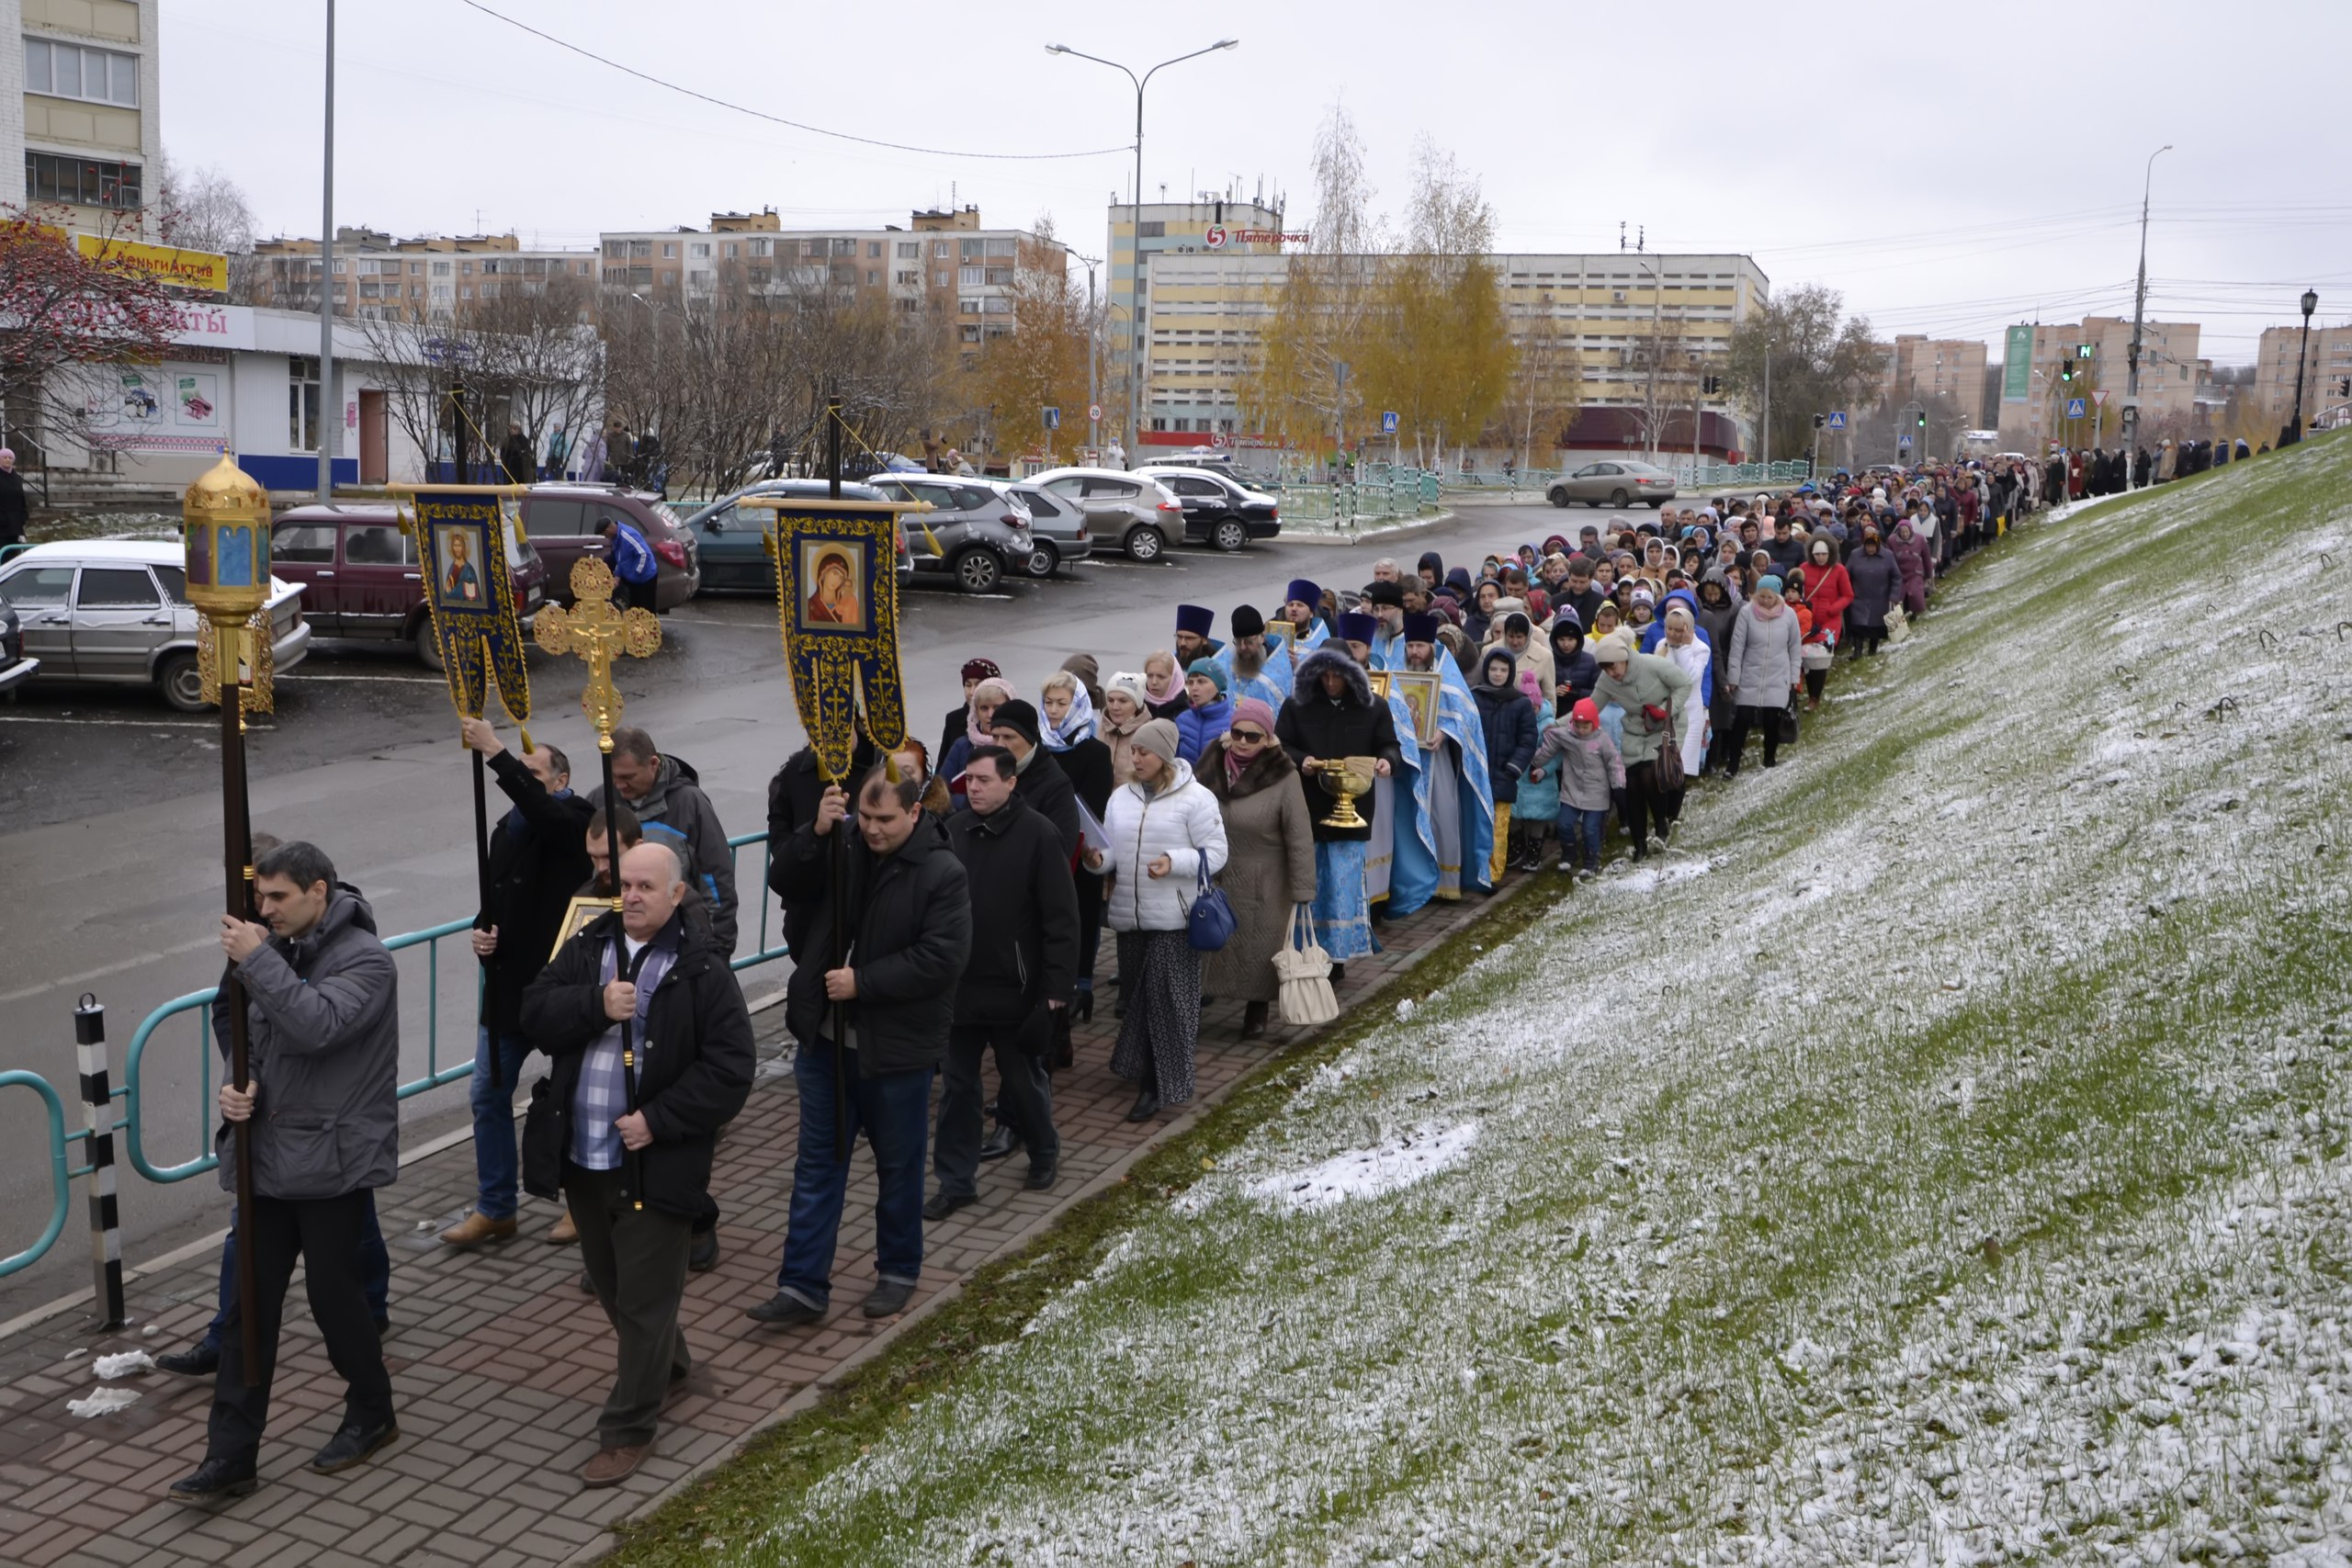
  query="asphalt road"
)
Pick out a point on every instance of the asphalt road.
point(113, 822)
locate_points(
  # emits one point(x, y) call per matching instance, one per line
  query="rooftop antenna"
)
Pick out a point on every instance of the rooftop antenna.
point(1620, 233)
point(1642, 238)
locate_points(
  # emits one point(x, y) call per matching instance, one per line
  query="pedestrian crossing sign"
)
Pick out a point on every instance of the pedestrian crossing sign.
point(2073, 408)
point(1838, 420)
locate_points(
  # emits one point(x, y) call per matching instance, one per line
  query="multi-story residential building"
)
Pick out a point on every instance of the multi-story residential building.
point(78, 99)
point(943, 260)
point(1141, 236)
point(1920, 367)
point(378, 276)
point(2034, 394)
point(1593, 320)
point(2326, 364)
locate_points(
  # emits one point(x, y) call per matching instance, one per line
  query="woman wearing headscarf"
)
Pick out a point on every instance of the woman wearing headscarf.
point(1876, 581)
point(1269, 857)
point(975, 671)
point(1166, 833)
point(1686, 645)
point(1068, 732)
point(1164, 685)
point(987, 695)
point(1915, 558)
point(1764, 669)
point(1124, 711)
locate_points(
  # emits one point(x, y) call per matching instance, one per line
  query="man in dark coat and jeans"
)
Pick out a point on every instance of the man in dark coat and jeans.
point(322, 1032)
point(1022, 968)
point(538, 854)
point(651, 1059)
point(906, 922)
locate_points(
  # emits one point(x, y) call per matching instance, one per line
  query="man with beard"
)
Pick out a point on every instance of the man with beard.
point(1192, 639)
point(1454, 803)
point(1332, 713)
point(1303, 608)
point(1250, 671)
point(1383, 599)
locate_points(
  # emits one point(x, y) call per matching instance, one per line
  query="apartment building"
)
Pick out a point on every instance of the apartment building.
point(1918, 367)
point(378, 277)
point(2034, 394)
point(1141, 236)
point(1594, 319)
point(2326, 364)
point(79, 100)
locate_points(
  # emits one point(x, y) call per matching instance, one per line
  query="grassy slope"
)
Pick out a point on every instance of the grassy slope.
point(1943, 1159)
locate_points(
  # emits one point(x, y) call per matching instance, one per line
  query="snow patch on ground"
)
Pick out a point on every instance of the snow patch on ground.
point(1387, 1167)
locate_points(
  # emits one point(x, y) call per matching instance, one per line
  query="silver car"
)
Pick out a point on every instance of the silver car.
point(1618, 482)
point(115, 612)
point(975, 532)
point(1142, 516)
point(1058, 529)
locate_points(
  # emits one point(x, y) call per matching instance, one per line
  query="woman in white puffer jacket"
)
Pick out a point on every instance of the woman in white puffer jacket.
point(1165, 834)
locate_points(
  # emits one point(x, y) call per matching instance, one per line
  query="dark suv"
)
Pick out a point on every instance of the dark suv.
point(566, 522)
point(360, 578)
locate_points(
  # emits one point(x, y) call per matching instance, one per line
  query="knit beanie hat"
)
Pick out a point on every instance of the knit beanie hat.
point(1159, 737)
point(1137, 690)
point(1208, 670)
point(1617, 647)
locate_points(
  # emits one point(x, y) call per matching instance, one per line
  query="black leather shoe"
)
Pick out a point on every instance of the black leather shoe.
point(1339, 972)
point(1082, 1007)
point(785, 1310)
point(939, 1205)
point(1147, 1106)
point(1002, 1141)
point(352, 1443)
point(216, 1478)
point(1041, 1177)
point(890, 1299)
point(704, 1256)
point(196, 1361)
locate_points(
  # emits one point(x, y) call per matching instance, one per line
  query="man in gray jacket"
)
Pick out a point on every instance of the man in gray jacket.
point(321, 1107)
point(667, 796)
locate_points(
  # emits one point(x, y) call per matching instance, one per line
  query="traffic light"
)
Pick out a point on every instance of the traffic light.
point(1923, 422)
point(2065, 370)
point(1710, 385)
point(1819, 419)
point(2343, 386)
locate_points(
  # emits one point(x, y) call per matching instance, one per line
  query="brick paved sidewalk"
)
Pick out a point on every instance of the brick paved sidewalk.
point(500, 1363)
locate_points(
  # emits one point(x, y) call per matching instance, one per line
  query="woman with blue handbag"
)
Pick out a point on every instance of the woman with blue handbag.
point(1166, 840)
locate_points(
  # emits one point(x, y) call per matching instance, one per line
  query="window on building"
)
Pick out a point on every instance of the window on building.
point(939, 250)
point(1001, 248)
point(670, 250)
point(1000, 276)
point(968, 307)
point(70, 71)
point(872, 250)
point(941, 278)
point(971, 333)
point(910, 250)
point(81, 182)
point(302, 403)
point(872, 276)
point(640, 248)
point(844, 247)
point(1157, 423)
point(969, 277)
point(910, 277)
point(759, 247)
point(998, 305)
point(1152, 228)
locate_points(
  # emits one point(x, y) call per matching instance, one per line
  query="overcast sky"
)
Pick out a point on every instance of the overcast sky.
point(1949, 169)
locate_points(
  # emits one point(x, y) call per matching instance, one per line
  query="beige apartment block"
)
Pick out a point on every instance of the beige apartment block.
point(2326, 364)
point(379, 278)
point(79, 100)
point(1920, 367)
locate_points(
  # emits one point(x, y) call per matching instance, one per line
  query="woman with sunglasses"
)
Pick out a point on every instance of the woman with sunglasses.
point(1270, 864)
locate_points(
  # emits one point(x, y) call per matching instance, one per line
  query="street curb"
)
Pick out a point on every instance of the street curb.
point(1372, 535)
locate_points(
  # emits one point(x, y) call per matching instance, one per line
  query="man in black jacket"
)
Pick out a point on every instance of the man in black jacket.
point(1042, 783)
point(1022, 968)
point(517, 457)
point(538, 856)
point(652, 1055)
point(871, 1025)
point(794, 794)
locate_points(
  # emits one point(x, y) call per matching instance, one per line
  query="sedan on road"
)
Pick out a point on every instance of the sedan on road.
point(116, 612)
point(1618, 482)
point(733, 539)
point(15, 667)
point(1218, 508)
point(1141, 514)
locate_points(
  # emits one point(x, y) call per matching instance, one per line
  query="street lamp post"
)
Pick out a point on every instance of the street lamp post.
point(1135, 281)
point(2138, 312)
point(2303, 355)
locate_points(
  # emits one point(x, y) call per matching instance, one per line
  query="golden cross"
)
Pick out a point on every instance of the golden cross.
point(598, 634)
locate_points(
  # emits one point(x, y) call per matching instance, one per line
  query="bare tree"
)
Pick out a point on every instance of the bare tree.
point(204, 210)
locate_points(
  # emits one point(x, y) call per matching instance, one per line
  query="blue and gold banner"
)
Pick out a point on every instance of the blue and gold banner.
point(837, 597)
point(461, 550)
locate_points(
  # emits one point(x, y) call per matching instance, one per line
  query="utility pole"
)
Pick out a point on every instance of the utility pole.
point(2139, 315)
point(1767, 428)
point(330, 406)
point(1094, 342)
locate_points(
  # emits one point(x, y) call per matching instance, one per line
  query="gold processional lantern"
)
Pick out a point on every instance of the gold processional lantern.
point(225, 520)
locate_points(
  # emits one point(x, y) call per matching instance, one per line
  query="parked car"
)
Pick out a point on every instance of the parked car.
point(566, 521)
point(732, 538)
point(360, 578)
point(1218, 509)
point(1057, 528)
point(16, 669)
point(976, 532)
point(1617, 482)
point(1142, 515)
point(115, 612)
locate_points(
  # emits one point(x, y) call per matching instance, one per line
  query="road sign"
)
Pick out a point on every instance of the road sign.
point(1053, 417)
point(2073, 408)
point(1094, 412)
point(2100, 397)
point(1838, 420)
point(1904, 441)
point(1389, 422)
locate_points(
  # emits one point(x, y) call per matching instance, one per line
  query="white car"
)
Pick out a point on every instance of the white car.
point(115, 612)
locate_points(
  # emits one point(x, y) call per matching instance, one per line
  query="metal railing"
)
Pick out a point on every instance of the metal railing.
point(132, 1121)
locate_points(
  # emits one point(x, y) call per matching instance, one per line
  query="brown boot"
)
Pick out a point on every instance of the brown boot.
point(613, 1466)
point(477, 1228)
point(1253, 1021)
point(565, 1233)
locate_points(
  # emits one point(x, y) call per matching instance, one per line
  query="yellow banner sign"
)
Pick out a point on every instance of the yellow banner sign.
point(185, 269)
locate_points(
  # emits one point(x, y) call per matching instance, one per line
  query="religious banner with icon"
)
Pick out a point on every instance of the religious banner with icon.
point(837, 598)
point(461, 552)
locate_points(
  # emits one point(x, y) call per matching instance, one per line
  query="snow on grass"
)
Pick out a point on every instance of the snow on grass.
point(1941, 1157)
point(1386, 1166)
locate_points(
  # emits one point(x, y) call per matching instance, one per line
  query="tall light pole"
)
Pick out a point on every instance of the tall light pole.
point(1135, 281)
point(2139, 313)
point(330, 406)
point(2310, 303)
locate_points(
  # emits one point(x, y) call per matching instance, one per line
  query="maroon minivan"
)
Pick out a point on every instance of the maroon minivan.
point(566, 521)
point(360, 580)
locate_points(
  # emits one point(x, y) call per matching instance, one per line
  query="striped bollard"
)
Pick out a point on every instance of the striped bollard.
point(97, 1106)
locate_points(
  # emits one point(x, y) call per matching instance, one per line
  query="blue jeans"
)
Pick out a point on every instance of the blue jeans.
point(895, 1110)
point(1581, 830)
point(375, 1265)
point(496, 1166)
